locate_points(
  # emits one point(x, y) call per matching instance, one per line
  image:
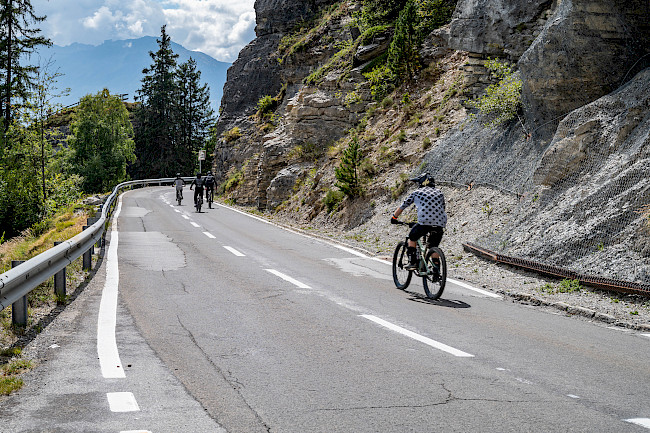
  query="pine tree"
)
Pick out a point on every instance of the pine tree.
point(155, 132)
point(195, 116)
point(17, 39)
point(403, 52)
point(347, 173)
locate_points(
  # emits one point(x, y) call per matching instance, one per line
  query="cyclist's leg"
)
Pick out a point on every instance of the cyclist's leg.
point(416, 233)
point(435, 236)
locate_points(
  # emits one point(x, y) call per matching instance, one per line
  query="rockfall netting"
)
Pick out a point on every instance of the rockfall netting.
point(582, 198)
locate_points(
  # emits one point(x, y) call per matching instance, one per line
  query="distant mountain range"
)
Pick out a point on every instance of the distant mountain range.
point(118, 65)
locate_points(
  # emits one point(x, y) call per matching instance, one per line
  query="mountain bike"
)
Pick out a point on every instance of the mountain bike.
point(199, 202)
point(179, 196)
point(209, 197)
point(432, 266)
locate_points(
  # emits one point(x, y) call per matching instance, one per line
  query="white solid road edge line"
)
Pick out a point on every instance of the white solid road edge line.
point(288, 278)
point(234, 251)
point(475, 289)
point(109, 357)
point(122, 402)
point(643, 422)
point(418, 337)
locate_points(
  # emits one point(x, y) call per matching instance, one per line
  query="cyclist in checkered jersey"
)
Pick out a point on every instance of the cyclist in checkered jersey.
point(432, 217)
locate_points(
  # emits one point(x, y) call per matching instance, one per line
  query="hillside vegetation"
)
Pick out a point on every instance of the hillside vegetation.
point(352, 98)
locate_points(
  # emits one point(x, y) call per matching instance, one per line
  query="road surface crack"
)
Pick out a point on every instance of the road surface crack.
point(236, 385)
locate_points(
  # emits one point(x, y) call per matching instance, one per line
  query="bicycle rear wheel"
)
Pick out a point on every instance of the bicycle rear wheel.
point(434, 284)
point(401, 276)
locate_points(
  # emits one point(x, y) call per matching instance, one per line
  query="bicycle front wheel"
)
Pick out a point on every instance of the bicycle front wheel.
point(401, 276)
point(436, 278)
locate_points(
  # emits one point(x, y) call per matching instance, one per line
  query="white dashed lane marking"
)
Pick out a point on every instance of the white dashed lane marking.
point(210, 235)
point(122, 402)
point(418, 337)
point(288, 278)
point(234, 251)
point(643, 422)
point(195, 224)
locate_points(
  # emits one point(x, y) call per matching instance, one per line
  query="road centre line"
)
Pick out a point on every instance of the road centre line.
point(210, 235)
point(185, 216)
point(417, 337)
point(643, 422)
point(234, 251)
point(195, 224)
point(109, 357)
point(122, 402)
point(176, 210)
point(288, 278)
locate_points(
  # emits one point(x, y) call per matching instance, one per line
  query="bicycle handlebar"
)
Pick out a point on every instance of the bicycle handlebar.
point(402, 223)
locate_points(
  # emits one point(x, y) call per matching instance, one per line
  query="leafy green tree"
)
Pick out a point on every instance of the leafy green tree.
point(502, 100)
point(155, 132)
point(101, 141)
point(195, 117)
point(347, 173)
point(17, 39)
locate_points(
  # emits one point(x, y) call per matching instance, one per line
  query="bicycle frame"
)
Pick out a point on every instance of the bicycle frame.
point(423, 267)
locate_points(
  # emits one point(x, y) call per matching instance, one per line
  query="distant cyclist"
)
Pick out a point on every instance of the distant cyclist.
point(200, 183)
point(209, 187)
point(432, 217)
point(179, 184)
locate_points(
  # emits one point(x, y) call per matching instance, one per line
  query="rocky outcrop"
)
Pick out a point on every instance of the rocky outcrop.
point(256, 72)
point(497, 28)
point(569, 52)
point(607, 41)
point(308, 116)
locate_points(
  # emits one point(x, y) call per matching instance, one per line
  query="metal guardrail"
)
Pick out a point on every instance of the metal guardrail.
point(22, 279)
point(614, 285)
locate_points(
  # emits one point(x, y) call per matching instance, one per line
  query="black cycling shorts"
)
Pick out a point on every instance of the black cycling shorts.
point(419, 230)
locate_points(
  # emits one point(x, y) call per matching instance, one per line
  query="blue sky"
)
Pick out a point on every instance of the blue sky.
point(219, 28)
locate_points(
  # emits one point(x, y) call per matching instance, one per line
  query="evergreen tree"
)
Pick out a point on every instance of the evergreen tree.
point(378, 12)
point(102, 142)
point(17, 39)
point(403, 51)
point(195, 116)
point(155, 132)
point(347, 173)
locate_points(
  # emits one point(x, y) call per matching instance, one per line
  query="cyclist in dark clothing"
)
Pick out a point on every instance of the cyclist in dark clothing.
point(209, 182)
point(432, 217)
point(200, 183)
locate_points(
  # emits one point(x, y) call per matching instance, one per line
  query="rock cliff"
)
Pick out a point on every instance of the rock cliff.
point(576, 158)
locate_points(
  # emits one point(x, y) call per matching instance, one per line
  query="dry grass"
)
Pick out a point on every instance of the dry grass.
point(41, 300)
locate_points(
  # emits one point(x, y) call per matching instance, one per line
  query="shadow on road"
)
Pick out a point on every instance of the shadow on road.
point(448, 303)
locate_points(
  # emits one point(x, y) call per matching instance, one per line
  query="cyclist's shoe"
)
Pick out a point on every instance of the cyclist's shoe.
point(411, 266)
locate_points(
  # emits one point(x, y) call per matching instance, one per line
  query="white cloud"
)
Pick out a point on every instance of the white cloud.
point(219, 28)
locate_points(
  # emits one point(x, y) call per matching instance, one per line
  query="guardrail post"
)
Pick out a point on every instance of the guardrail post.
point(19, 308)
point(59, 282)
point(90, 222)
point(87, 256)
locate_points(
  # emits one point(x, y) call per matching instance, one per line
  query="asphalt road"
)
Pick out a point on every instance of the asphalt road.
point(225, 322)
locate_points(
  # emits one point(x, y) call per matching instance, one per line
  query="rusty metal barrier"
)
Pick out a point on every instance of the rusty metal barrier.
point(556, 271)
